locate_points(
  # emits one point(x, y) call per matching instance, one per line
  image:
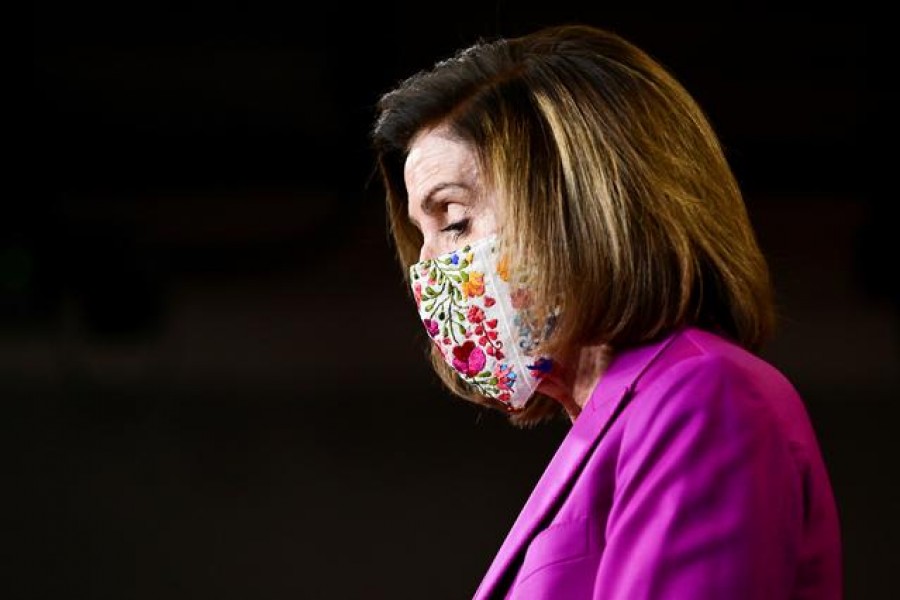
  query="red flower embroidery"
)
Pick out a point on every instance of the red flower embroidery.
point(520, 298)
point(475, 314)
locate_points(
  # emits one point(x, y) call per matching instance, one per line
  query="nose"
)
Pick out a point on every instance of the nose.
point(426, 252)
point(431, 248)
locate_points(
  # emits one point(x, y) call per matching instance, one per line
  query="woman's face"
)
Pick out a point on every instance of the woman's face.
point(448, 201)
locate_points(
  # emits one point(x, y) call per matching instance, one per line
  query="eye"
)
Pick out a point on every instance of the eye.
point(458, 228)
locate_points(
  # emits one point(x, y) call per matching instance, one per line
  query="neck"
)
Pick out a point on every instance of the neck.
point(573, 379)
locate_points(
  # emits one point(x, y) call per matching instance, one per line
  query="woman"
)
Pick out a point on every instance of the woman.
point(576, 241)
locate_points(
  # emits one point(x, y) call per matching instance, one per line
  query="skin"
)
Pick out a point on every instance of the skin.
point(451, 206)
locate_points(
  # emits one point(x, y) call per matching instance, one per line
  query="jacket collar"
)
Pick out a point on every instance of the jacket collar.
point(609, 397)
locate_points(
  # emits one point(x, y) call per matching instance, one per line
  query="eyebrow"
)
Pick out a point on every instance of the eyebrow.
point(428, 202)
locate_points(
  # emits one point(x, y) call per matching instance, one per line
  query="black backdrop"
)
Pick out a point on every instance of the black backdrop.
point(217, 385)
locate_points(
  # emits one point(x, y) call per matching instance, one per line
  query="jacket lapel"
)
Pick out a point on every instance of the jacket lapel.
point(606, 402)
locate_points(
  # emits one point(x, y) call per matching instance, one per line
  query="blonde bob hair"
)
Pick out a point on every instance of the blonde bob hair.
point(614, 190)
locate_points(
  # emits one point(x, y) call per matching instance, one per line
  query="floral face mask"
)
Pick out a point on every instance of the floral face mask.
point(483, 326)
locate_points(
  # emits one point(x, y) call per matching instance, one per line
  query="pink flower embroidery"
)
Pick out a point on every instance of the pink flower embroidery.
point(468, 359)
point(505, 377)
point(432, 326)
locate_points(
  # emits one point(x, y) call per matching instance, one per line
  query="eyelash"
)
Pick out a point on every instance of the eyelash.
point(458, 228)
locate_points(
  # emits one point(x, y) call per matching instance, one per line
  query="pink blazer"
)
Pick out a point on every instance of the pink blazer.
point(693, 472)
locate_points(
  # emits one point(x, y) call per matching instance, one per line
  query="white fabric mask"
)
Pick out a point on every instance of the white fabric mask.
point(481, 324)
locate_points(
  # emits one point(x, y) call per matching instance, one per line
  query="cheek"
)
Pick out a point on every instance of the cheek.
point(483, 225)
point(488, 218)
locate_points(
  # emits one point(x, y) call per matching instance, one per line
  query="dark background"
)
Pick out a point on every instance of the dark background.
point(215, 381)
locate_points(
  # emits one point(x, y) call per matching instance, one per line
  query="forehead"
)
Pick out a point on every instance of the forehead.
point(436, 157)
